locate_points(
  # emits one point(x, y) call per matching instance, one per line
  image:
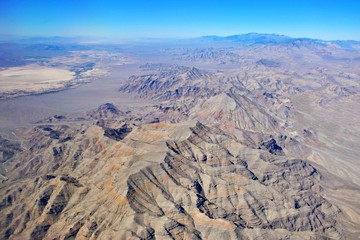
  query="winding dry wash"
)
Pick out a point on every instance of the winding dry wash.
point(251, 136)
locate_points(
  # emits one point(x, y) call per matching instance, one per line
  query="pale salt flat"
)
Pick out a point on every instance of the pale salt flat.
point(33, 78)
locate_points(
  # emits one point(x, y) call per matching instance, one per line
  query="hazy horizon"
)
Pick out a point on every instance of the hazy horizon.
point(106, 39)
point(336, 20)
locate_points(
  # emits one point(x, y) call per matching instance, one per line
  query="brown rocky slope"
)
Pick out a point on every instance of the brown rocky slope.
point(160, 181)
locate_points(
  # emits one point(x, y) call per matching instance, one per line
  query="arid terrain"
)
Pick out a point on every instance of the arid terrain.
point(250, 136)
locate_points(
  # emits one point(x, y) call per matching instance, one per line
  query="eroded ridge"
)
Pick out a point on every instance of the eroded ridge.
point(202, 190)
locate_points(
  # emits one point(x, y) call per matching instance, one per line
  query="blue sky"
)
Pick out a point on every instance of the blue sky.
point(331, 19)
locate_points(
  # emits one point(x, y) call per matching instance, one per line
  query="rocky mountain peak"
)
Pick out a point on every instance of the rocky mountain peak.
point(106, 111)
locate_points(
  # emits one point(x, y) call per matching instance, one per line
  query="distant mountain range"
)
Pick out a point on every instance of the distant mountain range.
point(247, 39)
point(264, 38)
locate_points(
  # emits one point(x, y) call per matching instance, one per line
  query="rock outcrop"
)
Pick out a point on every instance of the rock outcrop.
point(172, 83)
